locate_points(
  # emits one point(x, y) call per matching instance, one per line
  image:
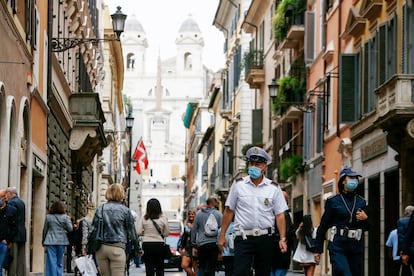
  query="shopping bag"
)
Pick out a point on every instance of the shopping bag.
point(86, 266)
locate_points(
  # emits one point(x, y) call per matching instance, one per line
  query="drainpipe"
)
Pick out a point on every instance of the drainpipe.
point(49, 45)
point(338, 129)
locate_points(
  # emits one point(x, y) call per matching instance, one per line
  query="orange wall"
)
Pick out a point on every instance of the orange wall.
point(38, 125)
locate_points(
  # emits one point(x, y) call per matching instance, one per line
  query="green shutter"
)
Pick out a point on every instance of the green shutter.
point(348, 72)
point(257, 126)
point(381, 55)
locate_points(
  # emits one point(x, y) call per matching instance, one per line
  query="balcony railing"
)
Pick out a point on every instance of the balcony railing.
point(253, 64)
point(395, 98)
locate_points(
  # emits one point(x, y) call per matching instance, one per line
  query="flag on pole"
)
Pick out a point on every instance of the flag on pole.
point(140, 155)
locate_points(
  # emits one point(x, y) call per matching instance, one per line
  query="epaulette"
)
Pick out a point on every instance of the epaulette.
point(238, 179)
point(361, 197)
point(275, 183)
point(332, 196)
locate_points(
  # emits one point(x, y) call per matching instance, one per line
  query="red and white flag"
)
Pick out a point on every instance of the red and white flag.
point(140, 155)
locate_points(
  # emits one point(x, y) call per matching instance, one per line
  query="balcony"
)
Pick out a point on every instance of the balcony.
point(395, 99)
point(87, 137)
point(293, 38)
point(289, 24)
point(253, 64)
point(395, 107)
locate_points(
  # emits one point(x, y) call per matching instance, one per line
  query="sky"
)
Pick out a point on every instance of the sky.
point(161, 20)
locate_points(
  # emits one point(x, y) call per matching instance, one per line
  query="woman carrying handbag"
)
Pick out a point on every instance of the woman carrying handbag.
point(302, 254)
point(153, 227)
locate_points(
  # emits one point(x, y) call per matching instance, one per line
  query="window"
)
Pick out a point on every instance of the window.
point(348, 87)
point(188, 62)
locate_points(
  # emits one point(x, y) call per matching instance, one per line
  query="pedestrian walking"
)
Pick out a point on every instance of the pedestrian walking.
point(7, 228)
point(228, 251)
point(18, 249)
point(302, 255)
point(347, 216)
point(55, 237)
point(281, 261)
point(405, 230)
point(115, 225)
point(188, 263)
point(153, 227)
point(392, 244)
point(204, 235)
point(255, 202)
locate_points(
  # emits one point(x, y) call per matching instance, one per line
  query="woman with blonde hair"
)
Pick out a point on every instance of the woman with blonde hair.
point(114, 226)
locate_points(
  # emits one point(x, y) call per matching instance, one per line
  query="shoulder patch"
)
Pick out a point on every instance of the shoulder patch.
point(275, 183)
point(239, 179)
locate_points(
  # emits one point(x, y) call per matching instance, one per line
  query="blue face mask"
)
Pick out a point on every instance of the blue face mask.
point(254, 172)
point(351, 184)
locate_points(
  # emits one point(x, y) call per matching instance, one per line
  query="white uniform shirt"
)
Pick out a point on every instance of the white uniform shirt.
point(255, 206)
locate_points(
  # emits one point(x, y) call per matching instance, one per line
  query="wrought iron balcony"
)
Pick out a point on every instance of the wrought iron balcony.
point(253, 64)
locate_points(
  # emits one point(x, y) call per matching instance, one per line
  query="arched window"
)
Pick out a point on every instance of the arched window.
point(188, 61)
point(130, 61)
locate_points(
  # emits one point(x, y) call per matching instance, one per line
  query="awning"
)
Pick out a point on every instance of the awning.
point(189, 113)
point(206, 137)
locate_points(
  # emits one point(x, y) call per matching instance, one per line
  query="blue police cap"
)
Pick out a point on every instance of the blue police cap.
point(256, 154)
point(347, 171)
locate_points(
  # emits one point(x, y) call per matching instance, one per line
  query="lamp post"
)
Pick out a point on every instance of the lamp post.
point(61, 44)
point(273, 89)
point(129, 121)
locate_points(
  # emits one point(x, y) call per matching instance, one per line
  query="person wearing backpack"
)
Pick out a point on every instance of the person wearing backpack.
point(204, 237)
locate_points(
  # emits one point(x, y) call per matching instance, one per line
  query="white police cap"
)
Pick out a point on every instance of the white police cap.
point(256, 154)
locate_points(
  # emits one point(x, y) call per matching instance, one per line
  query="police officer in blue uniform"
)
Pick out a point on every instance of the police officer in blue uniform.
point(346, 215)
point(256, 203)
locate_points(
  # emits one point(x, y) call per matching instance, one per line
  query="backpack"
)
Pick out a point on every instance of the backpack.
point(211, 226)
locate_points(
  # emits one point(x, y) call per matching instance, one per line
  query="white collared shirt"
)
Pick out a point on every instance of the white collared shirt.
point(255, 206)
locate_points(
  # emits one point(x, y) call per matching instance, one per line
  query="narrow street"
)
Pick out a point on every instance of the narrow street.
point(173, 272)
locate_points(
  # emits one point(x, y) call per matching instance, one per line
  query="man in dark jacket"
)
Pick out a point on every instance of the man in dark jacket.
point(405, 228)
point(281, 261)
point(18, 265)
point(7, 229)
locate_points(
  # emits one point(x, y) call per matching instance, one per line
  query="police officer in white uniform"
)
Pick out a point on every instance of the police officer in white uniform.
point(255, 202)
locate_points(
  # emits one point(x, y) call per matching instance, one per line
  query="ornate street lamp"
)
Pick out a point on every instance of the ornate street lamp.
point(63, 44)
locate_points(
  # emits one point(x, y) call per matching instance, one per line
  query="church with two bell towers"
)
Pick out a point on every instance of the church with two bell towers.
point(159, 100)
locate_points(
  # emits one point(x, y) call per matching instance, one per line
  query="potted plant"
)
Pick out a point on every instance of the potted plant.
point(291, 167)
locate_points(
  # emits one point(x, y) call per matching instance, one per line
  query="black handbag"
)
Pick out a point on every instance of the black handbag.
point(95, 237)
point(310, 243)
point(166, 246)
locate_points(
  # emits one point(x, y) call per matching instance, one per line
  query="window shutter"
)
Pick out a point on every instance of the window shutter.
point(257, 126)
point(320, 124)
point(365, 81)
point(308, 136)
point(373, 83)
point(391, 47)
point(381, 55)
point(348, 71)
point(309, 36)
